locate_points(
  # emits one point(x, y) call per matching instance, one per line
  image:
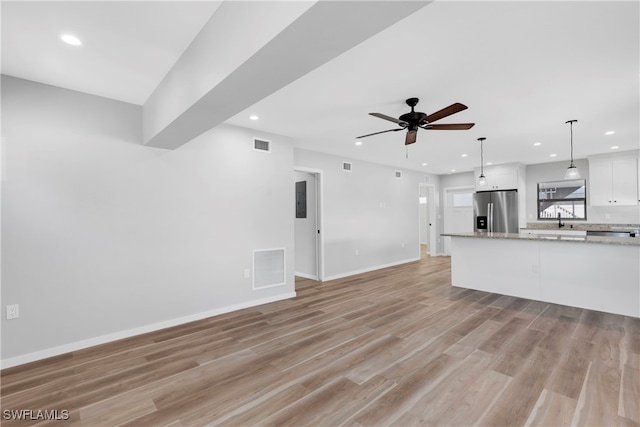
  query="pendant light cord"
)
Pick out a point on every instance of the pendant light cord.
point(481, 159)
point(571, 130)
point(481, 156)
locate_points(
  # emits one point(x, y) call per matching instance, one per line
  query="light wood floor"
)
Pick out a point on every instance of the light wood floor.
point(399, 346)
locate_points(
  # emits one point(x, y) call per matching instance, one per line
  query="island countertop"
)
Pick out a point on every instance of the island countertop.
point(625, 241)
point(602, 275)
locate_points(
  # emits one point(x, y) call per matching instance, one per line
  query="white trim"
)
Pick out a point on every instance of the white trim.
point(103, 339)
point(368, 269)
point(306, 276)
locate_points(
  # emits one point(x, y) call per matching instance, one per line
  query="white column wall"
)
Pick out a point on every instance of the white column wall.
point(103, 237)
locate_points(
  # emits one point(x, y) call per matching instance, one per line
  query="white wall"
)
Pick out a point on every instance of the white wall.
point(367, 210)
point(595, 214)
point(103, 237)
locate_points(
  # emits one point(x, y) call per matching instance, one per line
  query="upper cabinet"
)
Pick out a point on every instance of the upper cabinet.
point(613, 180)
point(503, 177)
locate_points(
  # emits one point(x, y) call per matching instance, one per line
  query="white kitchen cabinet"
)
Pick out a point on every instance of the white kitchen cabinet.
point(613, 181)
point(498, 178)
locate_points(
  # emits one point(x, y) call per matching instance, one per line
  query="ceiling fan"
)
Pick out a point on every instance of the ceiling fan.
point(414, 120)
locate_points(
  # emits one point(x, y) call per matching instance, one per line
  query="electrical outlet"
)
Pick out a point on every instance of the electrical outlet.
point(402, 246)
point(13, 311)
point(247, 273)
point(357, 252)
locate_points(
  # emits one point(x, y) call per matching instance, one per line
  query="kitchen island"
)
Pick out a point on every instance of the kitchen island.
point(598, 273)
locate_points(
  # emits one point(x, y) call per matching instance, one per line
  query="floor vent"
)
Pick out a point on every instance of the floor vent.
point(268, 268)
point(398, 174)
point(261, 145)
point(346, 166)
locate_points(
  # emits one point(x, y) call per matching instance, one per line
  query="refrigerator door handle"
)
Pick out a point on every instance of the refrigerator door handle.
point(490, 213)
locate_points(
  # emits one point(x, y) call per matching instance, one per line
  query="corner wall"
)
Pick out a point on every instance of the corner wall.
point(104, 238)
point(370, 217)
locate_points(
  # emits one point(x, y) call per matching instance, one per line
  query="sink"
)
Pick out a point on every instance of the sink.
point(559, 237)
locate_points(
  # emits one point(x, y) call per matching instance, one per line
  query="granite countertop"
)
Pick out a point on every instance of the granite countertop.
point(580, 226)
point(625, 241)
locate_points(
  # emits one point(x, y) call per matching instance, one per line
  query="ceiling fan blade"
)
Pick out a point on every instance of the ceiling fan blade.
point(447, 111)
point(391, 119)
point(375, 133)
point(451, 126)
point(411, 137)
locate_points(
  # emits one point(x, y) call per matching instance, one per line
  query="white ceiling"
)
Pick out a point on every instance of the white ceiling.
point(522, 68)
point(128, 46)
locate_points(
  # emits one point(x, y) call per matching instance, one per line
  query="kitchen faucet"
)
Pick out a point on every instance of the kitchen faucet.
point(560, 223)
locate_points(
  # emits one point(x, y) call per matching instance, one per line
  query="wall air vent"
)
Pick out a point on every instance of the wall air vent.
point(268, 268)
point(398, 174)
point(262, 145)
point(346, 166)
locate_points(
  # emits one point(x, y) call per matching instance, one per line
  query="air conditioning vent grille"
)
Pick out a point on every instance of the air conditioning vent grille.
point(261, 145)
point(346, 166)
point(268, 268)
point(398, 174)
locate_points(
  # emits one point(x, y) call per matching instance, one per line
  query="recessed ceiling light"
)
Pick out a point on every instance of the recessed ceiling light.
point(69, 39)
point(489, 163)
point(358, 142)
point(615, 147)
point(552, 155)
point(464, 155)
point(424, 164)
point(537, 143)
point(453, 170)
point(254, 117)
point(611, 132)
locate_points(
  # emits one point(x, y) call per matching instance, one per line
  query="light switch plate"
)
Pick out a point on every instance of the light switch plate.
point(13, 311)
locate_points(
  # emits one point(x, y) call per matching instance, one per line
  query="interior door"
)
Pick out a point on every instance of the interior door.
point(458, 217)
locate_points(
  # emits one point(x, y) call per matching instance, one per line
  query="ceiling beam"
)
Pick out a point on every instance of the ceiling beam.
point(321, 33)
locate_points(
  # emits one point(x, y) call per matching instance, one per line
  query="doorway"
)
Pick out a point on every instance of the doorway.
point(427, 215)
point(308, 239)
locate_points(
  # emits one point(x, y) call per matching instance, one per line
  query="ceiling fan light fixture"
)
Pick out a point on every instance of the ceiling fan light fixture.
point(414, 120)
point(572, 171)
point(482, 180)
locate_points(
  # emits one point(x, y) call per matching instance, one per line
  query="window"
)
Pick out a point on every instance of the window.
point(462, 200)
point(567, 199)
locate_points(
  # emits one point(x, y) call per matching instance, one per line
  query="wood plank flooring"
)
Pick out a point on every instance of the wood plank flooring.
point(398, 346)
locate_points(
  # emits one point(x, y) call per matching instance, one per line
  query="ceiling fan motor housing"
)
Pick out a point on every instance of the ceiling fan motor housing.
point(413, 118)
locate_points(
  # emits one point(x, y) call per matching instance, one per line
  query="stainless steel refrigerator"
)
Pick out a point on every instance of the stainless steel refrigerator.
point(496, 211)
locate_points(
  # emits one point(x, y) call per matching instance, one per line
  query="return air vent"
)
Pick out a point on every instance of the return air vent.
point(398, 174)
point(346, 166)
point(268, 268)
point(262, 145)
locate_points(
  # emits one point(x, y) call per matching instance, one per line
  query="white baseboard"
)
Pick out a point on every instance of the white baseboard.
point(103, 339)
point(368, 269)
point(306, 276)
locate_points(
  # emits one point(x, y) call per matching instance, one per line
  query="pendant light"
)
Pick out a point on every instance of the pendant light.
point(572, 170)
point(482, 180)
